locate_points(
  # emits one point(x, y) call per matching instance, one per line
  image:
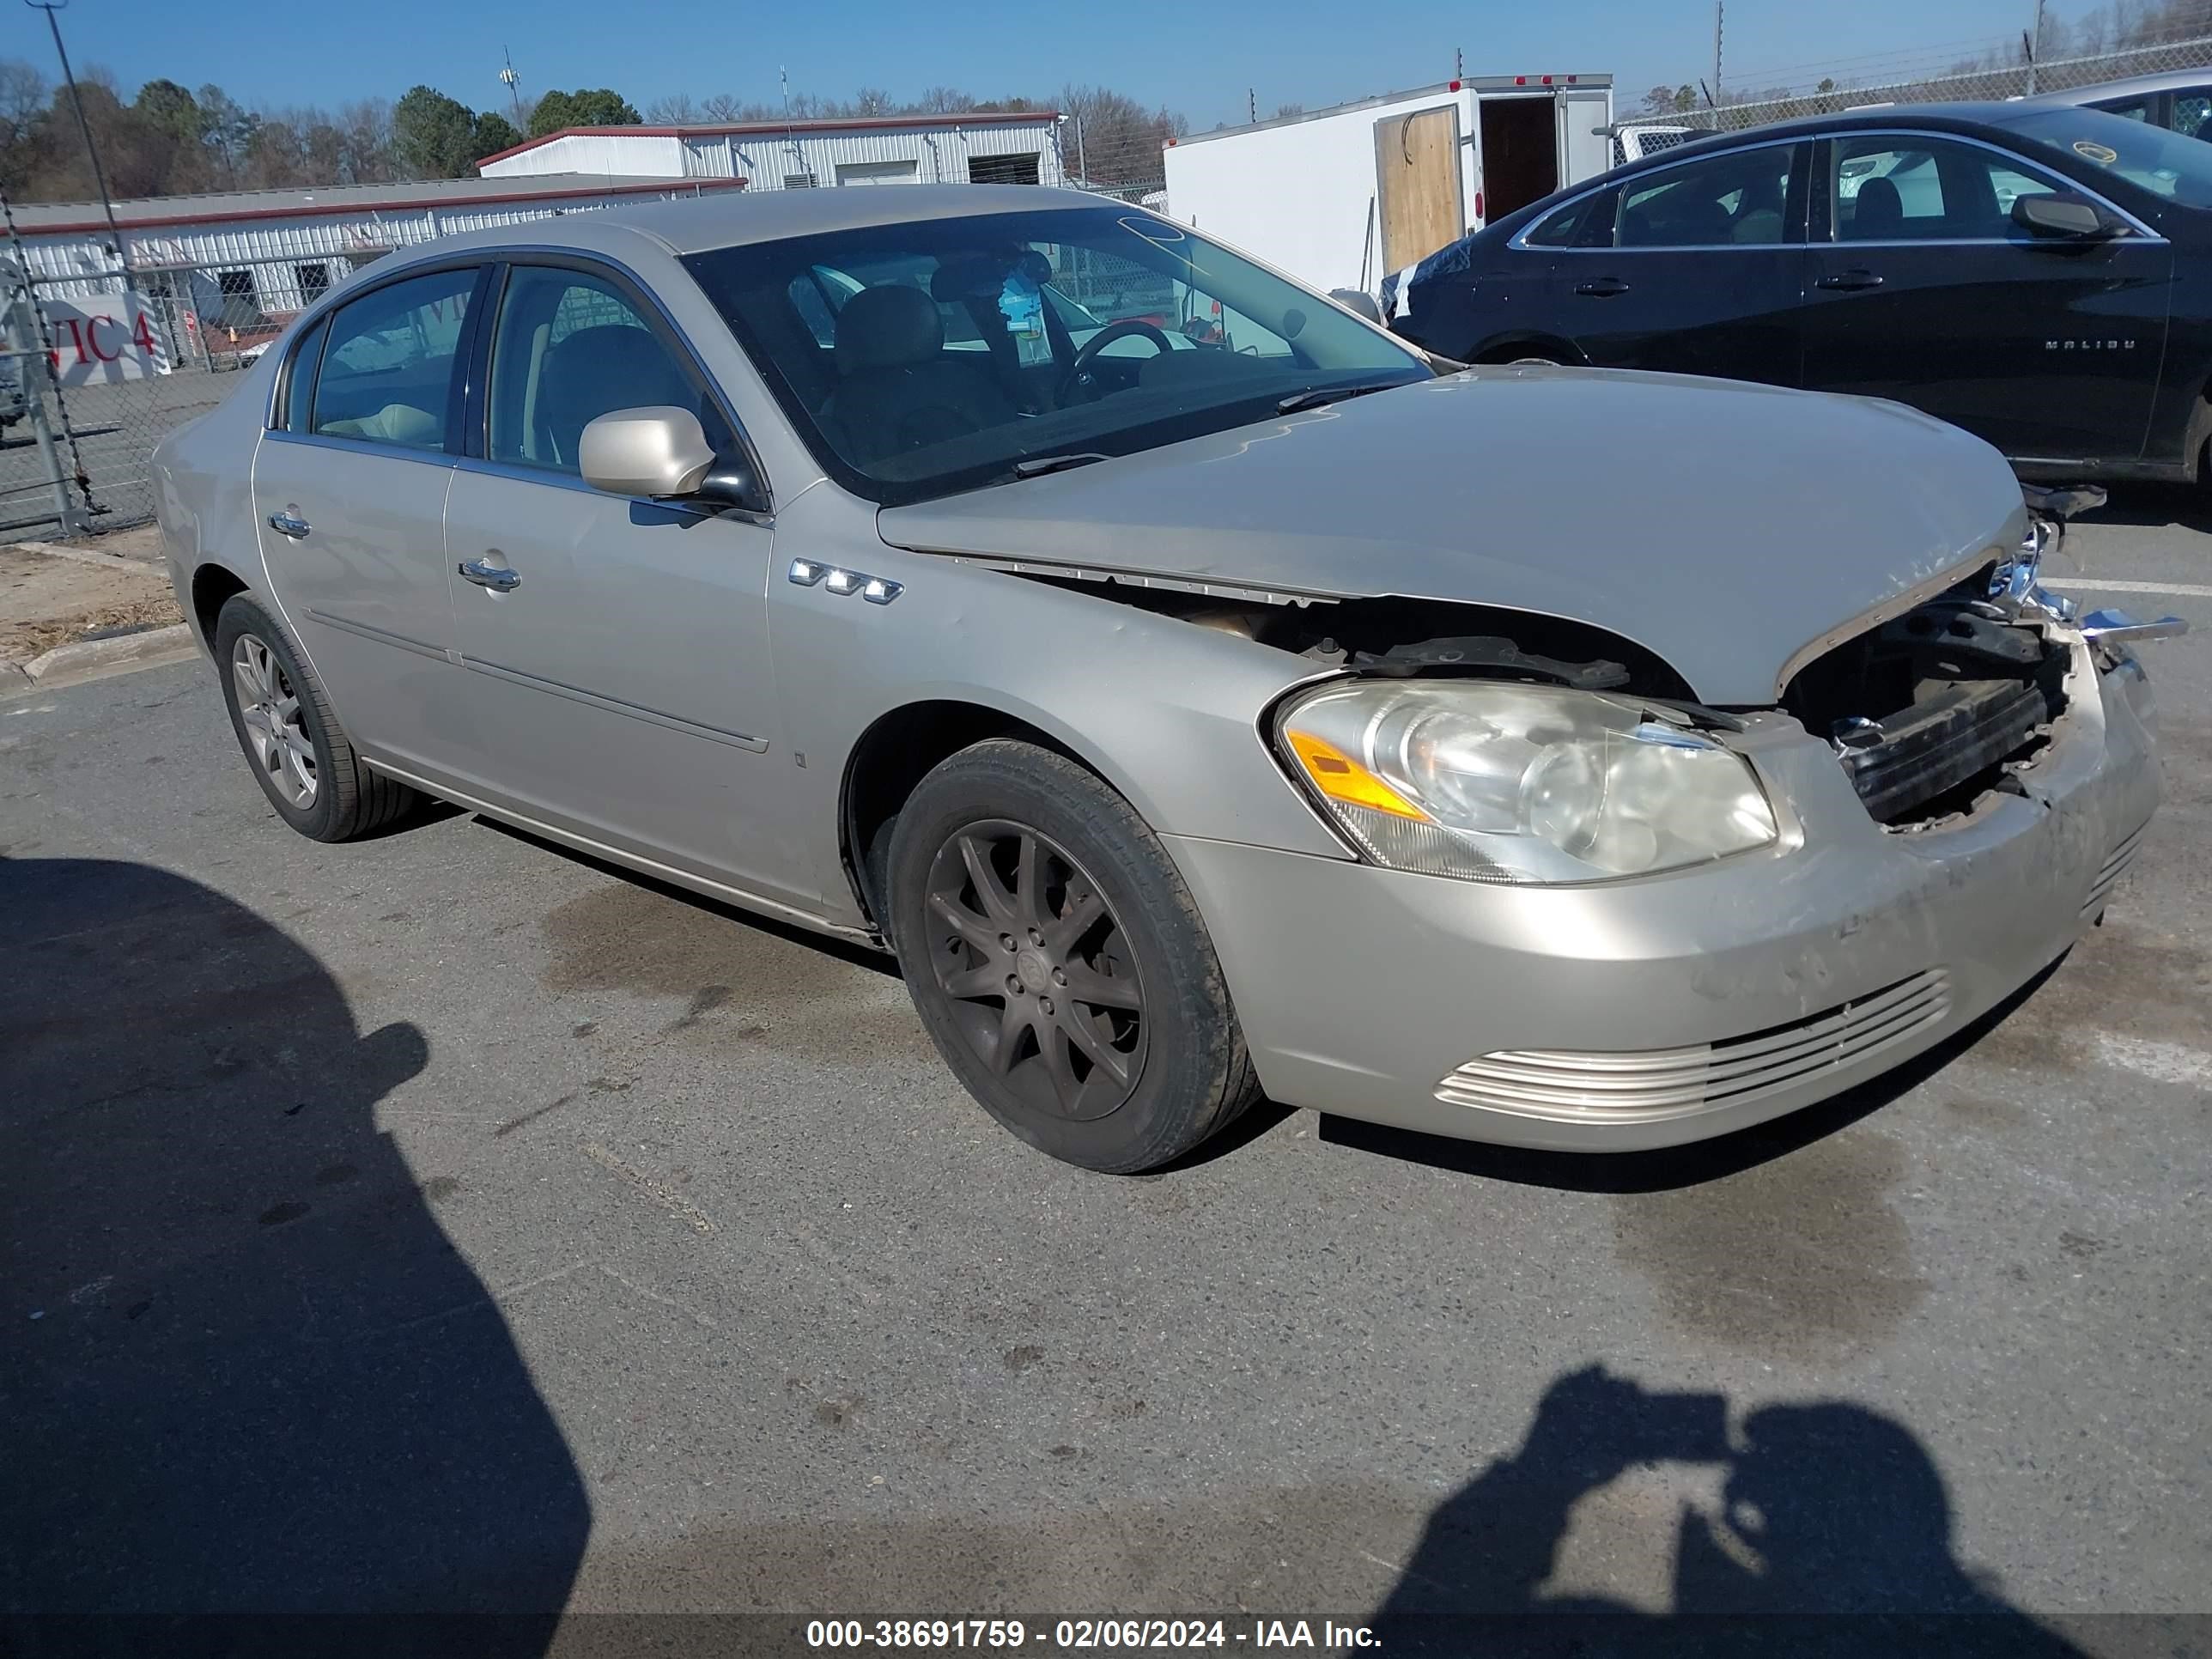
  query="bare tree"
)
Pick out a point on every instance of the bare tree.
point(365, 138)
point(676, 112)
point(1121, 140)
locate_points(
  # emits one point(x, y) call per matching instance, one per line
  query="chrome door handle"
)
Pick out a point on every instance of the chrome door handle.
point(1850, 281)
point(496, 577)
point(1604, 288)
point(288, 523)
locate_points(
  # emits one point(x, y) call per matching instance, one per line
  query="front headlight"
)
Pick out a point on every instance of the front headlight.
point(1494, 782)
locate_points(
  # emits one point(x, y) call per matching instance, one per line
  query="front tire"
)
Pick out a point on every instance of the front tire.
point(290, 736)
point(1058, 963)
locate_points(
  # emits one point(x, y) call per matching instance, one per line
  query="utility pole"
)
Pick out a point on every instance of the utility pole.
point(1719, 7)
point(791, 137)
point(2034, 45)
point(99, 174)
point(513, 82)
point(1252, 103)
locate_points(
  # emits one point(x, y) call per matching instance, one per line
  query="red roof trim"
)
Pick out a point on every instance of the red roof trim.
point(317, 211)
point(998, 118)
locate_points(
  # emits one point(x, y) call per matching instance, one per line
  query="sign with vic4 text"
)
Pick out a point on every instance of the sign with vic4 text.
point(112, 338)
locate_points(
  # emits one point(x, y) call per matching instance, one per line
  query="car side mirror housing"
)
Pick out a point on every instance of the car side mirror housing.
point(1353, 299)
point(660, 451)
point(2059, 214)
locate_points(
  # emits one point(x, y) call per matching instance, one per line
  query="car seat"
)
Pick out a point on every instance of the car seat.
point(898, 388)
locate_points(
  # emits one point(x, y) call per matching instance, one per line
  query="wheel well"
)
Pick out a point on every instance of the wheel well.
point(2196, 435)
point(899, 751)
point(1526, 345)
point(212, 586)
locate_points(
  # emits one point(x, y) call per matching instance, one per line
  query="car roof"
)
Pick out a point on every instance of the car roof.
point(1945, 117)
point(1970, 119)
point(1965, 118)
point(733, 218)
point(2165, 81)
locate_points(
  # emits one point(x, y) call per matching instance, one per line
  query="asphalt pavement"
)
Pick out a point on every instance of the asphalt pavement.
point(447, 1222)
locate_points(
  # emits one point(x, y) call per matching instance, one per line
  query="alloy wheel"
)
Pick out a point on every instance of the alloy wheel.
point(1042, 984)
point(269, 708)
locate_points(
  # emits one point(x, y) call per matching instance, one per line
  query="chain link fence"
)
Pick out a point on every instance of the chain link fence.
point(1114, 159)
point(2020, 79)
point(100, 366)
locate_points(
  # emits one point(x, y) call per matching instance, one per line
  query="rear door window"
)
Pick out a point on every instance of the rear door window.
point(1736, 200)
point(388, 360)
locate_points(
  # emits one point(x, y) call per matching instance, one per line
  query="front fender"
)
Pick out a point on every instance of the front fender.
point(1166, 711)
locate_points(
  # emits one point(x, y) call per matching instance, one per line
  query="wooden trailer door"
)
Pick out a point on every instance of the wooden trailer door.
point(1418, 184)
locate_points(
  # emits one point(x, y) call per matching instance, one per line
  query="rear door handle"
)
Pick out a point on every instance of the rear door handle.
point(496, 577)
point(1851, 280)
point(288, 523)
point(1602, 288)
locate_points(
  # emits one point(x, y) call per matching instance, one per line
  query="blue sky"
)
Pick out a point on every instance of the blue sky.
point(1197, 56)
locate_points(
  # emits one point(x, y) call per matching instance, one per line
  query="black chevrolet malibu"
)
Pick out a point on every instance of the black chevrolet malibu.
point(2040, 277)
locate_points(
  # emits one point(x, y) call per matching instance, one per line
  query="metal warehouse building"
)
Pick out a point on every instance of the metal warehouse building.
point(893, 149)
point(244, 263)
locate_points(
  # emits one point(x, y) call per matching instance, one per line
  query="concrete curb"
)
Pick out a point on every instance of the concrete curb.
point(90, 658)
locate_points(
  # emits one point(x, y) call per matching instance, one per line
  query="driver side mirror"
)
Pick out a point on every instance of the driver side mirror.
point(2061, 215)
point(661, 452)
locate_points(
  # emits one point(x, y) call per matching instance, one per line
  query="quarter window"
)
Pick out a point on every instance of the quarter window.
point(387, 369)
point(571, 346)
point(1586, 223)
point(1734, 200)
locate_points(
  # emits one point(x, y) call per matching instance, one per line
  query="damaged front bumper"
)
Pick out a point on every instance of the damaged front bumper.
point(1649, 1012)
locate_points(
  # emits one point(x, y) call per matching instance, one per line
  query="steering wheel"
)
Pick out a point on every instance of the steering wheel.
point(1079, 372)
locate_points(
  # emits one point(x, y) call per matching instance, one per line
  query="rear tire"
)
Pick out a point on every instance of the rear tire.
point(291, 736)
point(1060, 964)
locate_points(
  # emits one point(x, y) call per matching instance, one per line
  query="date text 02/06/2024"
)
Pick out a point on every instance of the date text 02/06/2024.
point(1083, 1634)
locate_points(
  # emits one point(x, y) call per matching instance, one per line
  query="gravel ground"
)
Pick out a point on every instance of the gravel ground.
point(448, 1222)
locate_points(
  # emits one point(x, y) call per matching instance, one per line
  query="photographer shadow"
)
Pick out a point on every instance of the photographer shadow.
point(1834, 1539)
point(251, 1379)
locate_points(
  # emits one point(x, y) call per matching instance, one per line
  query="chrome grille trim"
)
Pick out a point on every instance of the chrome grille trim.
point(1672, 1082)
point(2115, 868)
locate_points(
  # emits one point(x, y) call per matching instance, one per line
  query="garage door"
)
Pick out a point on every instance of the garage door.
point(878, 172)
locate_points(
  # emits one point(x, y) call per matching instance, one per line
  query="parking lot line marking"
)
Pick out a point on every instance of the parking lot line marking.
point(2168, 1062)
point(2186, 589)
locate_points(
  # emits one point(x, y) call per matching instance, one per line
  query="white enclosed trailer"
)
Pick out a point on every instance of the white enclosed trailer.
point(1340, 198)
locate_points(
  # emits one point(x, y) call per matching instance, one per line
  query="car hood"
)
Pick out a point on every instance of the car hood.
point(1726, 528)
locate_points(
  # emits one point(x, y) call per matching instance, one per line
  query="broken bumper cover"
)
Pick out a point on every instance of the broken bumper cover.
point(1650, 1013)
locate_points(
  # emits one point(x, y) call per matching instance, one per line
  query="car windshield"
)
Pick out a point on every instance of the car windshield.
point(2166, 163)
point(920, 358)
